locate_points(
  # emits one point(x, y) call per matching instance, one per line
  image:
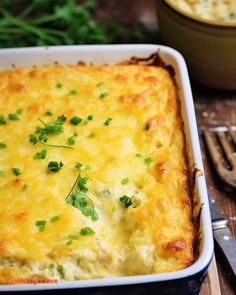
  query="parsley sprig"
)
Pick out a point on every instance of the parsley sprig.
point(78, 197)
point(41, 134)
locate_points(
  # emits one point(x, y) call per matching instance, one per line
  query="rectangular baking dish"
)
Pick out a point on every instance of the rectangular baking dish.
point(186, 281)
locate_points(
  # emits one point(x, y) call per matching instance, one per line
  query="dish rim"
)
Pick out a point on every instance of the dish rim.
point(201, 264)
point(197, 19)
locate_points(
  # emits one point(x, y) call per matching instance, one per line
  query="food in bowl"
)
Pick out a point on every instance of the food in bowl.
point(94, 176)
point(215, 10)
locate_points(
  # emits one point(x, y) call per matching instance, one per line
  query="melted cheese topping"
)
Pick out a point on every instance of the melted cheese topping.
point(143, 142)
point(215, 10)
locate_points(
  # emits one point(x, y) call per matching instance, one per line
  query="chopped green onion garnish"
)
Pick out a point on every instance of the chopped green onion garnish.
point(48, 113)
point(126, 201)
point(76, 120)
point(13, 117)
point(125, 181)
point(55, 166)
point(104, 94)
point(87, 231)
point(19, 111)
point(72, 92)
point(3, 145)
point(71, 140)
point(3, 121)
point(91, 135)
point(59, 85)
point(90, 117)
point(16, 171)
point(40, 155)
point(148, 161)
point(40, 224)
point(138, 155)
point(25, 187)
point(108, 121)
point(55, 218)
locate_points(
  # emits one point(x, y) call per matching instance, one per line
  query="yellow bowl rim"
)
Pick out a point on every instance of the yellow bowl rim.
point(199, 19)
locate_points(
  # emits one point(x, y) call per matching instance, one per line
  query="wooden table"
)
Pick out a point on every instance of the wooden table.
point(213, 108)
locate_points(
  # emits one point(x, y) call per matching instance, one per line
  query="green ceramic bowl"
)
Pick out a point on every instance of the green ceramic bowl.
point(208, 46)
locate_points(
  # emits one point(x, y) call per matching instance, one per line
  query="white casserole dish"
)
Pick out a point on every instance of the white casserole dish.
point(111, 54)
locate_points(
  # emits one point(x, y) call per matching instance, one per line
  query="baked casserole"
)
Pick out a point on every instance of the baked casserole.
point(94, 178)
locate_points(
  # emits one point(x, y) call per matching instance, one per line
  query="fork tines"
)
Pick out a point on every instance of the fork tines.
point(221, 143)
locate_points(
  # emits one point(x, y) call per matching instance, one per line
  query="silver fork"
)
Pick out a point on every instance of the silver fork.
point(221, 143)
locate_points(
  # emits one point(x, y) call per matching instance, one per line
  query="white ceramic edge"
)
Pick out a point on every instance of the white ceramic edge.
point(207, 247)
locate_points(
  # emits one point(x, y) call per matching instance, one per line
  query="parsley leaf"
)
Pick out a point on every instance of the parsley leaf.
point(82, 183)
point(25, 187)
point(40, 155)
point(3, 121)
point(76, 120)
point(71, 140)
point(61, 271)
point(103, 94)
point(72, 92)
point(55, 166)
point(87, 231)
point(2, 145)
point(40, 224)
point(16, 171)
point(13, 117)
point(148, 161)
point(126, 201)
point(48, 113)
point(91, 135)
point(59, 85)
point(55, 218)
point(108, 121)
point(125, 181)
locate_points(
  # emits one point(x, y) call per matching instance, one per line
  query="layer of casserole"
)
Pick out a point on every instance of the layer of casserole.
point(93, 174)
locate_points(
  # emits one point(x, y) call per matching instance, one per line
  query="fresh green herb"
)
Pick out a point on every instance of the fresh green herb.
point(90, 117)
point(61, 271)
point(55, 166)
point(91, 135)
point(55, 218)
point(126, 201)
point(87, 231)
point(2, 173)
point(40, 224)
point(25, 187)
point(59, 85)
point(78, 165)
point(13, 117)
point(76, 120)
point(40, 155)
point(78, 262)
point(53, 128)
point(72, 92)
point(105, 193)
point(3, 121)
point(103, 94)
point(125, 181)
point(3, 145)
point(78, 198)
point(48, 113)
point(138, 155)
point(108, 121)
point(147, 127)
point(148, 161)
point(99, 84)
point(71, 239)
point(71, 140)
point(16, 171)
point(19, 111)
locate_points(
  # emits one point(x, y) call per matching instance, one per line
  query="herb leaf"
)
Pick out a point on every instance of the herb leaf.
point(40, 224)
point(148, 161)
point(108, 121)
point(3, 121)
point(13, 117)
point(16, 171)
point(40, 155)
point(2, 145)
point(125, 181)
point(87, 231)
point(55, 218)
point(126, 201)
point(76, 120)
point(55, 166)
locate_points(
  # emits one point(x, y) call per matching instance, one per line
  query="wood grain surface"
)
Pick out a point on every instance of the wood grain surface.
point(213, 108)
